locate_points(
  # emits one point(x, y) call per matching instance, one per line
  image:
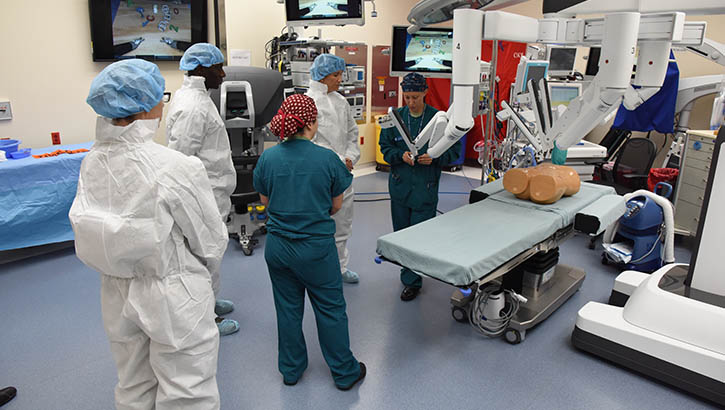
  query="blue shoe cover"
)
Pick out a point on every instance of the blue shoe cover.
point(227, 327)
point(223, 307)
point(350, 277)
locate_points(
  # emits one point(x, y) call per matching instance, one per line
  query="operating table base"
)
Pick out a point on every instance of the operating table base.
point(563, 284)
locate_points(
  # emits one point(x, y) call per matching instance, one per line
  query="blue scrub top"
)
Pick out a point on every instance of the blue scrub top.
point(300, 179)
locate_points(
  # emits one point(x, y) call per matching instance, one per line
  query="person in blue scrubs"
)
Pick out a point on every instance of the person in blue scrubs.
point(413, 181)
point(302, 185)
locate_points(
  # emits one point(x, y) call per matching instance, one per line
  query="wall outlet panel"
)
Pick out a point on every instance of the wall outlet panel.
point(6, 112)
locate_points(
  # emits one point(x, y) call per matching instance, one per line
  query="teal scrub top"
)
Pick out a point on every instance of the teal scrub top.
point(300, 179)
point(417, 186)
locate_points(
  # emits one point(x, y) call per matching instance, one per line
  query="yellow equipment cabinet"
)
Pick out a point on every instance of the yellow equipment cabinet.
point(380, 163)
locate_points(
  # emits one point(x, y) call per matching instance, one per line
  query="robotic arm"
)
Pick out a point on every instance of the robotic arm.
point(711, 50)
point(620, 34)
point(467, 29)
point(447, 128)
point(608, 87)
point(652, 65)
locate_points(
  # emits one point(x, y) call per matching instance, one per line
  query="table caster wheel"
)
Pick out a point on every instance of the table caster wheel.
point(514, 337)
point(459, 314)
point(247, 251)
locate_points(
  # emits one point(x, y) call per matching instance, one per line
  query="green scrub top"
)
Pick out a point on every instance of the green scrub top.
point(415, 187)
point(300, 179)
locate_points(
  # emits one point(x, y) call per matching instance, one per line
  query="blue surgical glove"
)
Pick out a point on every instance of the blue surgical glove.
point(558, 156)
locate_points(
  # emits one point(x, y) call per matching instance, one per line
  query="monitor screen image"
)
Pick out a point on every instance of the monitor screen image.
point(149, 29)
point(562, 59)
point(146, 27)
point(534, 72)
point(563, 94)
point(316, 12)
point(428, 51)
point(593, 61)
point(312, 9)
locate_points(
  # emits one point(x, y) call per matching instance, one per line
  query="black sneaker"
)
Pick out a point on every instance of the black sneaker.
point(290, 383)
point(9, 393)
point(409, 294)
point(363, 372)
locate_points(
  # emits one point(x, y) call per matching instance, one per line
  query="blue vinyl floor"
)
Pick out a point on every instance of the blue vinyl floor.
point(54, 350)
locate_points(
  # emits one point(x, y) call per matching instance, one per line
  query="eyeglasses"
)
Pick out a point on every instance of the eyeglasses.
point(167, 97)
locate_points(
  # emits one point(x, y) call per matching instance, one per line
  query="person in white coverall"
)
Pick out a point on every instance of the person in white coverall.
point(194, 127)
point(145, 217)
point(337, 131)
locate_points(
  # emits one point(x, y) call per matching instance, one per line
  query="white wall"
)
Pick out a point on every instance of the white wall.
point(47, 67)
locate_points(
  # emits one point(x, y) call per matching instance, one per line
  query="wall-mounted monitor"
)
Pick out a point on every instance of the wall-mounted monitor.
point(561, 61)
point(428, 52)
point(324, 12)
point(154, 30)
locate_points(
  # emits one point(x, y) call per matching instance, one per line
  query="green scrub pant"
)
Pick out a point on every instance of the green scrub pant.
point(404, 217)
point(312, 265)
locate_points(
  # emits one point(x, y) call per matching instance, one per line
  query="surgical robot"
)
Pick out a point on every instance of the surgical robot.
point(248, 99)
point(620, 34)
point(671, 328)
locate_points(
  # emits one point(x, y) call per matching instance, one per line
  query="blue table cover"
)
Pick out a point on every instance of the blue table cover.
point(36, 195)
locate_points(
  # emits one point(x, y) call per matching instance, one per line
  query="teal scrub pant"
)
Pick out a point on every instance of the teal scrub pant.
point(404, 217)
point(312, 265)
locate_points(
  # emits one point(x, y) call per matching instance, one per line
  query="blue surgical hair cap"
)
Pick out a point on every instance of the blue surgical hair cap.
point(125, 88)
point(326, 64)
point(200, 54)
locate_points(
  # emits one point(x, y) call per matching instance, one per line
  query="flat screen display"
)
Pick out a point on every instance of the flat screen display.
point(536, 73)
point(593, 61)
point(562, 59)
point(149, 29)
point(319, 11)
point(562, 94)
point(429, 51)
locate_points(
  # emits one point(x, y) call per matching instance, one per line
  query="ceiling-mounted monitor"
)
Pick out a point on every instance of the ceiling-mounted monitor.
point(324, 12)
point(428, 52)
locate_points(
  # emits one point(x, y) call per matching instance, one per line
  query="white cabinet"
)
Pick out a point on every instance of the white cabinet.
point(695, 169)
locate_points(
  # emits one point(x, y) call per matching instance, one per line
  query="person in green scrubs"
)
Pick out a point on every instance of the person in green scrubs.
point(302, 185)
point(413, 181)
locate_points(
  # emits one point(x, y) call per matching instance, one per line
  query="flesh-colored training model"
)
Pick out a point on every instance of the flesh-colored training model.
point(544, 184)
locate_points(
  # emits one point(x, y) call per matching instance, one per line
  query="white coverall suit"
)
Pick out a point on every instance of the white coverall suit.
point(144, 217)
point(194, 127)
point(338, 131)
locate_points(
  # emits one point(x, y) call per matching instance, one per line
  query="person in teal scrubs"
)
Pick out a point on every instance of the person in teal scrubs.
point(413, 182)
point(302, 185)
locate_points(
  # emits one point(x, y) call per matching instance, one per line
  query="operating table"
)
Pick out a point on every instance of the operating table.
point(494, 234)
